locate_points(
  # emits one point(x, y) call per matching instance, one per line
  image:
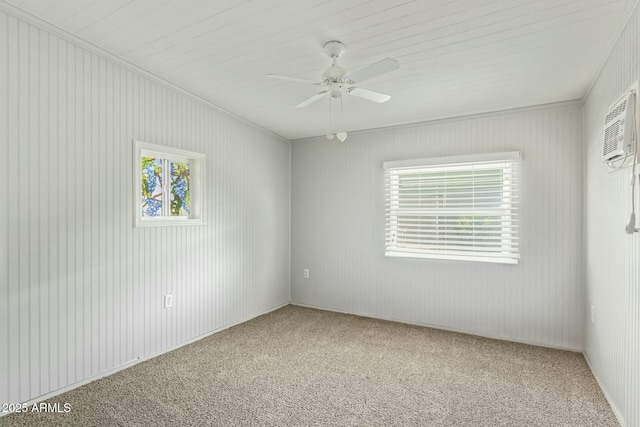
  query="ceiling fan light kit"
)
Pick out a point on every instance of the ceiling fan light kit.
point(336, 79)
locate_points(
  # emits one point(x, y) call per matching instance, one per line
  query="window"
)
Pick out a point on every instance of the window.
point(459, 208)
point(168, 186)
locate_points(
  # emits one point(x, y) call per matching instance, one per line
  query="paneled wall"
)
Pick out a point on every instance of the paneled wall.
point(612, 257)
point(81, 289)
point(338, 230)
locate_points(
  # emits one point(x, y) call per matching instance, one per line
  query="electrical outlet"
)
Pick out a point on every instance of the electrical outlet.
point(593, 314)
point(306, 273)
point(168, 300)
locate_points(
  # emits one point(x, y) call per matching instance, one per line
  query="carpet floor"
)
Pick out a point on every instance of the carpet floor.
point(302, 367)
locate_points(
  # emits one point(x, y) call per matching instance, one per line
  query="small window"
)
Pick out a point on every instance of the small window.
point(458, 208)
point(168, 186)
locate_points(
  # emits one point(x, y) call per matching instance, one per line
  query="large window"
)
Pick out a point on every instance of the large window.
point(460, 208)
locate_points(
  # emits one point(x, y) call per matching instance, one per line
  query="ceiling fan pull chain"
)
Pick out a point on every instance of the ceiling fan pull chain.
point(342, 135)
point(341, 121)
point(331, 133)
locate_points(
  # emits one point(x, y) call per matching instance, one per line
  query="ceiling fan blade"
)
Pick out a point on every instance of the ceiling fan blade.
point(368, 95)
point(373, 70)
point(311, 100)
point(293, 79)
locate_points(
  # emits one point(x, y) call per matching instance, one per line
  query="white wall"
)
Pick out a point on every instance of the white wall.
point(81, 288)
point(338, 230)
point(612, 258)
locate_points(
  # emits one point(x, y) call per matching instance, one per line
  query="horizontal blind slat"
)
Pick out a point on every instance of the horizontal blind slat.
point(432, 245)
point(428, 220)
point(462, 236)
point(455, 252)
point(460, 249)
point(453, 212)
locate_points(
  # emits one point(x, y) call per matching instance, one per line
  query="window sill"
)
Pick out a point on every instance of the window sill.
point(164, 222)
point(493, 260)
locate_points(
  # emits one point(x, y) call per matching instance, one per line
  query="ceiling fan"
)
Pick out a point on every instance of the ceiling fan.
point(336, 78)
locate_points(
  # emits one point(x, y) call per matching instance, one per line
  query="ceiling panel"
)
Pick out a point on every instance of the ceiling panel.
point(457, 57)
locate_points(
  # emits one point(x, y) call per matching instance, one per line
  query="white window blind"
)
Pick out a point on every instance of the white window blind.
point(462, 208)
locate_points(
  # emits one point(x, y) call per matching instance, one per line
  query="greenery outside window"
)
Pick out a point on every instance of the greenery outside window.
point(168, 186)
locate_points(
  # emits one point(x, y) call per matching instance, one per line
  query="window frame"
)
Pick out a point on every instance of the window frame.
point(196, 184)
point(508, 210)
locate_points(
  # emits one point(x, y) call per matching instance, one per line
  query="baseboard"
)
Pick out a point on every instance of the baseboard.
point(443, 328)
point(137, 360)
point(614, 408)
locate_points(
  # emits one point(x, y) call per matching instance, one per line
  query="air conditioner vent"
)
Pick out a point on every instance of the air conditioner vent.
point(619, 109)
point(619, 126)
point(610, 139)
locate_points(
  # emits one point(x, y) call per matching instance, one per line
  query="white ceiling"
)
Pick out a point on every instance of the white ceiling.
point(456, 57)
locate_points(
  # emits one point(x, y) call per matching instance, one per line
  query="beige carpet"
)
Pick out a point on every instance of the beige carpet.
point(298, 366)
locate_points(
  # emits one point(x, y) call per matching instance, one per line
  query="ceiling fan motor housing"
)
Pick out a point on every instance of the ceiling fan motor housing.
point(334, 74)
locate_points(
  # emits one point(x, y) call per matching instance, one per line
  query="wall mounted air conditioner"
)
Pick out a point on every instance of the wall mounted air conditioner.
point(619, 128)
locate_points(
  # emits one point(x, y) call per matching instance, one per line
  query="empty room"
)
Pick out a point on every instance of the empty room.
point(319, 212)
